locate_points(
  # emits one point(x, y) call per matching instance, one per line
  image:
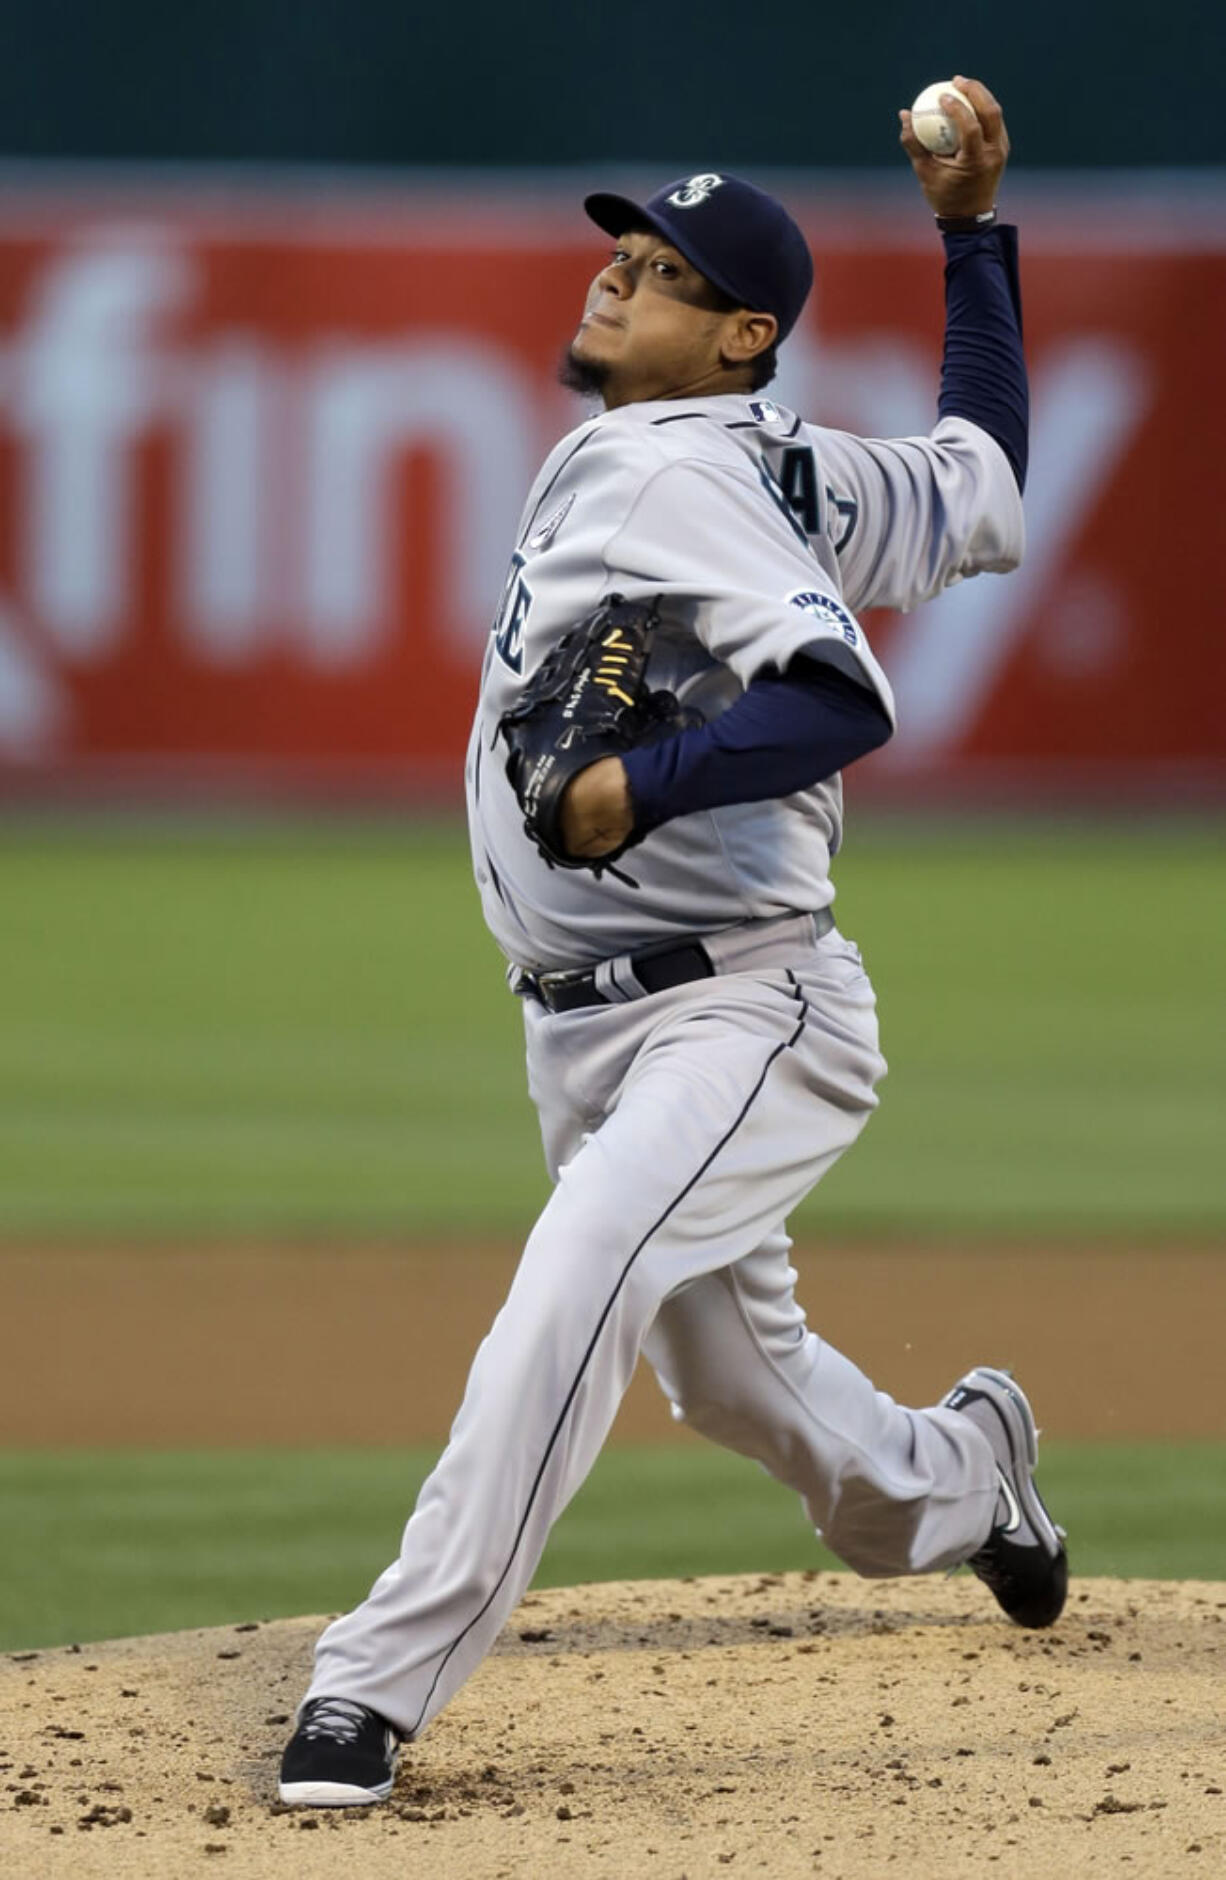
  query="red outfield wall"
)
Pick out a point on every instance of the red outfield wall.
point(261, 458)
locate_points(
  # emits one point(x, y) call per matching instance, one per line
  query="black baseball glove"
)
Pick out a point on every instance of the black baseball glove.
point(588, 699)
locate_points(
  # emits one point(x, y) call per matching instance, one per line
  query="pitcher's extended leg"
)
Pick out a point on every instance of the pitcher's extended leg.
point(890, 1490)
point(718, 1132)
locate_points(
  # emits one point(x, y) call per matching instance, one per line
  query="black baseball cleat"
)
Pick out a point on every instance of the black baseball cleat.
point(1023, 1560)
point(342, 1755)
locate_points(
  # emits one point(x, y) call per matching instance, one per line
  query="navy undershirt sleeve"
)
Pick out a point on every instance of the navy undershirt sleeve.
point(782, 735)
point(787, 733)
point(983, 373)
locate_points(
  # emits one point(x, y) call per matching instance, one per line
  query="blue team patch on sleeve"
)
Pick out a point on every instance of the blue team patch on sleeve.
point(830, 612)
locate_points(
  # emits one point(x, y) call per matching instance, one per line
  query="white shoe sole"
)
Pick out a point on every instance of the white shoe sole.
point(331, 1794)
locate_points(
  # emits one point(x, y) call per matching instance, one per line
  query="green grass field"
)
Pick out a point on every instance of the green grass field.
point(207, 1033)
point(101, 1546)
point(273, 1032)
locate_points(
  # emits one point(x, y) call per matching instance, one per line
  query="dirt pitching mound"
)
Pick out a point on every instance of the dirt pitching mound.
point(783, 1725)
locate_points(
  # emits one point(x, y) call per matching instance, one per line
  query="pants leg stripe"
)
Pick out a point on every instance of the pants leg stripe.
point(592, 1343)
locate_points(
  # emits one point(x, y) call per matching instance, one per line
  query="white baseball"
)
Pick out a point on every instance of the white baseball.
point(936, 130)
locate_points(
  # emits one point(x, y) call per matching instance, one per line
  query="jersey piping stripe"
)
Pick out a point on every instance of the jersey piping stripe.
point(610, 1302)
point(585, 439)
point(746, 424)
point(679, 417)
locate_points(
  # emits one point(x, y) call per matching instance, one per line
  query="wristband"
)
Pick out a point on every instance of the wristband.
point(966, 224)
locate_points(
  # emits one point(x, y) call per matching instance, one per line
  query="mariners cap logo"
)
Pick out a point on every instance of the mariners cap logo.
point(695, 191)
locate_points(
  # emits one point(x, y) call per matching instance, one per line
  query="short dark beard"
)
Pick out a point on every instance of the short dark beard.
point(588, 377)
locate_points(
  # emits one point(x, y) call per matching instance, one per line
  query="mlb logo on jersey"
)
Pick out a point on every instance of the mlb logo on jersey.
point(825, 608)
point(764, 411)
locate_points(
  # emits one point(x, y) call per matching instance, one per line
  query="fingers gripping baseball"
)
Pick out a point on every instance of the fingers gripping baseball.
point(966, 181)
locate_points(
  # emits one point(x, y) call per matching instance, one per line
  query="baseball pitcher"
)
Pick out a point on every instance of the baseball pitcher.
point(676, 676)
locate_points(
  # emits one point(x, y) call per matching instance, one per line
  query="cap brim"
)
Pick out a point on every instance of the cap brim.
point(616, 215)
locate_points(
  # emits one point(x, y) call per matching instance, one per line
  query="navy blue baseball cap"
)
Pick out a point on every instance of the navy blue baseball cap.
point(740, 238)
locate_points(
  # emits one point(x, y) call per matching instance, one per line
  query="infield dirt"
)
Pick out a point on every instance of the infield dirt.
point(786, 1725)
point(807, 1724)
point(308, 1345)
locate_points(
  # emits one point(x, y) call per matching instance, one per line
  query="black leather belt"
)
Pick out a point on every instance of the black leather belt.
point(656, 970)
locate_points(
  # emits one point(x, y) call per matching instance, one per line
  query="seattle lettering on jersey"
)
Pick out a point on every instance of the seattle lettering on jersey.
point(761, 538)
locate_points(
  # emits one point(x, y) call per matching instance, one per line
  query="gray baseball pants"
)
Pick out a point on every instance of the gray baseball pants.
point(681, 1129)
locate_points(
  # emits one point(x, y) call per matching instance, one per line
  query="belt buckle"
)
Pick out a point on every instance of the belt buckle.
point(550, 983)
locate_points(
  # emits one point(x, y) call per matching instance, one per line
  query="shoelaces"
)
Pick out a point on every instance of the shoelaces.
point(336, 1717)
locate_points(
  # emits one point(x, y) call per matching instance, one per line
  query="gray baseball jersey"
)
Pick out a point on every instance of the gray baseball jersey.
point(762, 537)
point(682, 1128)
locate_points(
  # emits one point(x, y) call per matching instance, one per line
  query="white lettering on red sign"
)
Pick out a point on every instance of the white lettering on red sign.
point(282, 526)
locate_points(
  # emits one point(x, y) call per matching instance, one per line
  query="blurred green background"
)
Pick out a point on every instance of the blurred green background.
point(295, 1031)
point(279, 1031)
point(99, 1546)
